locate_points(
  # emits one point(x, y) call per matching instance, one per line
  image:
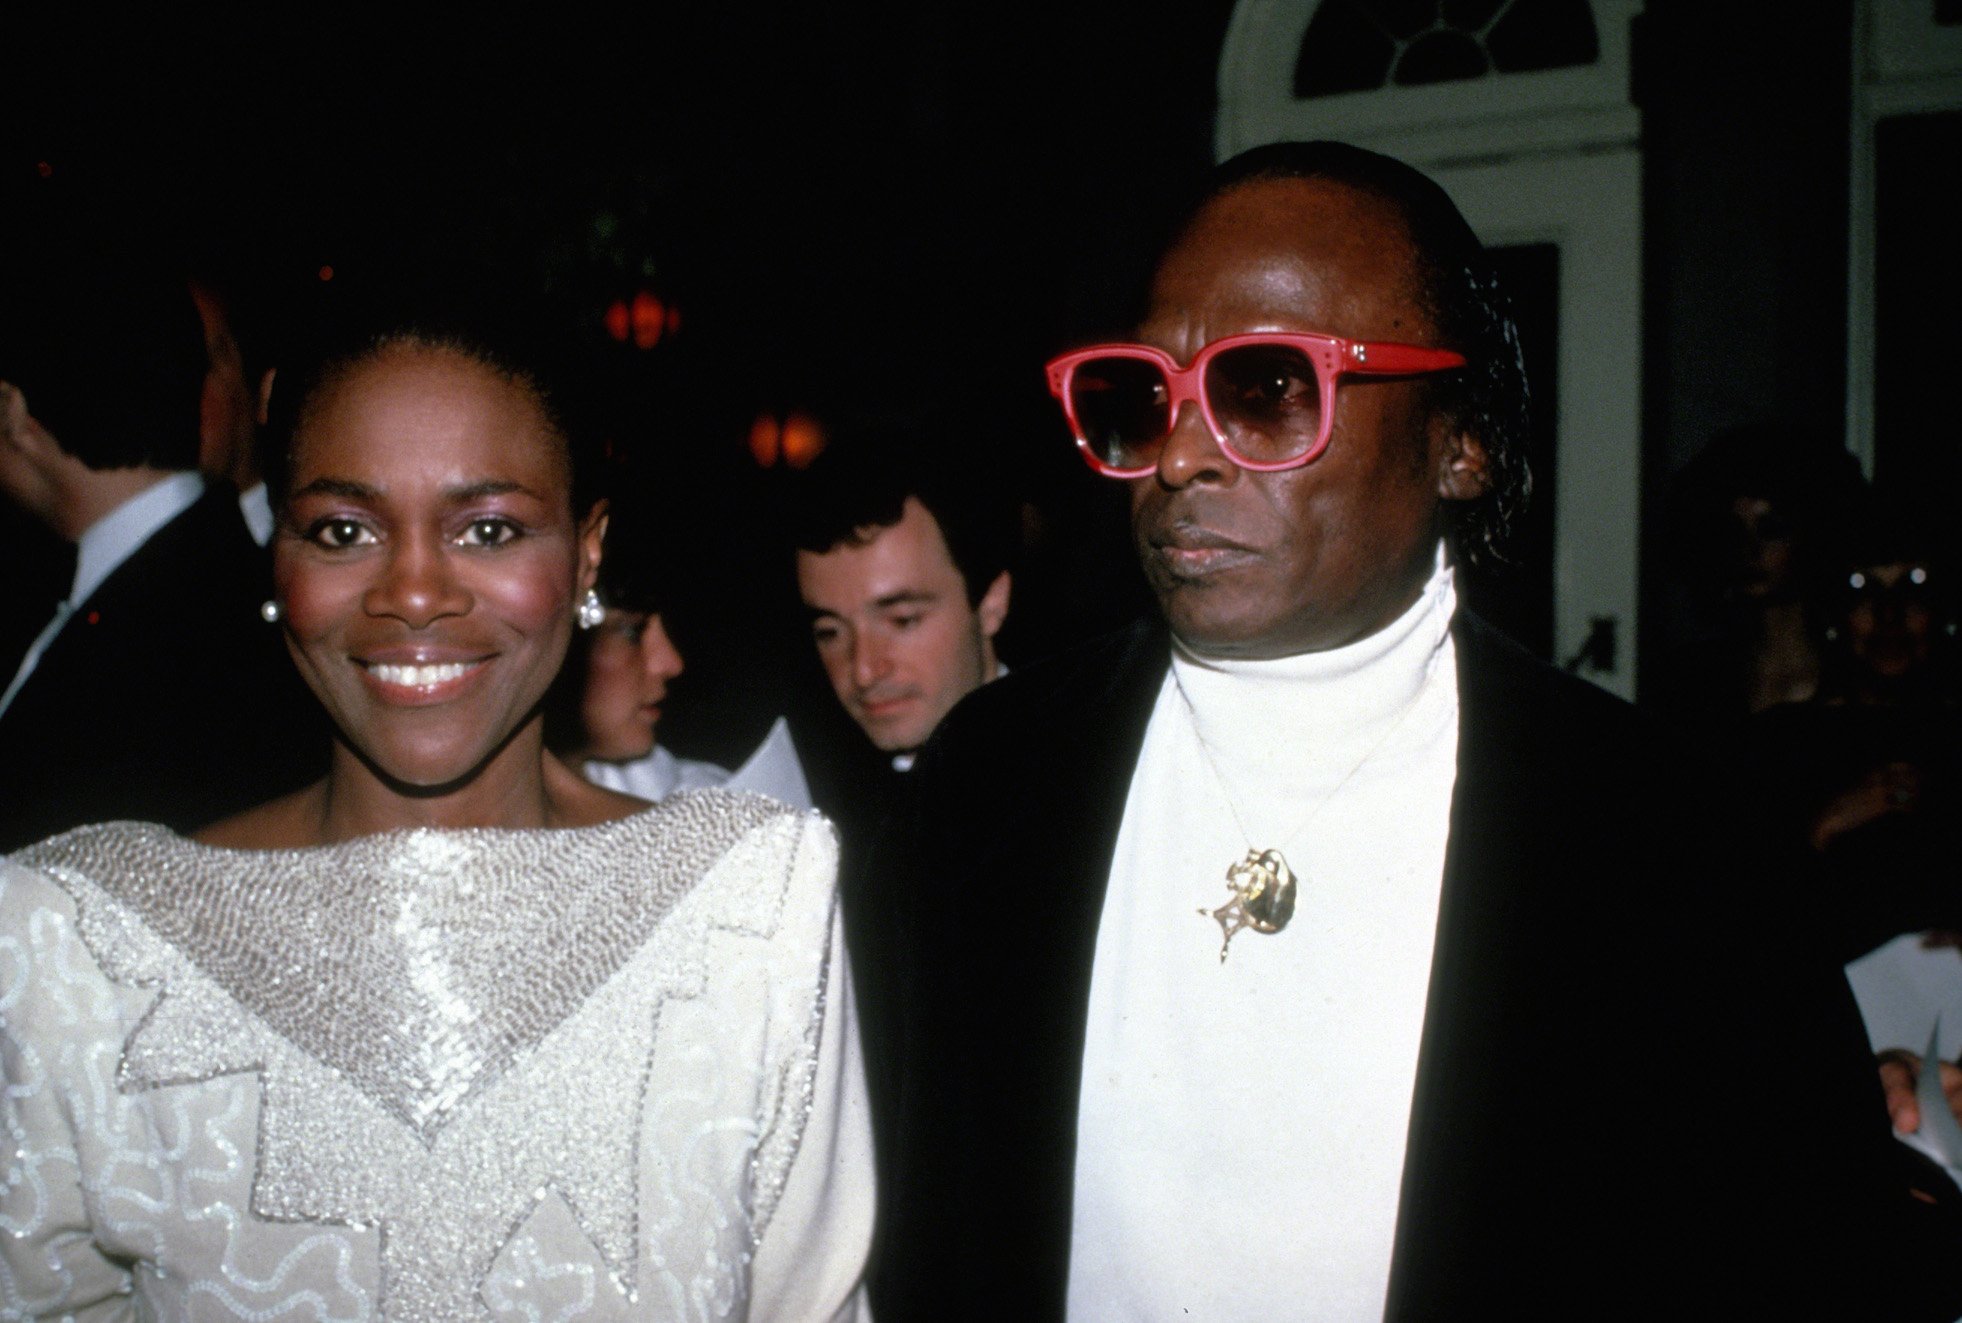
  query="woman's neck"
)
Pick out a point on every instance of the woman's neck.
point(521, 785)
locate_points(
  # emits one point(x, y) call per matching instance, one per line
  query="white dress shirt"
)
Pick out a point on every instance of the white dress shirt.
point(256, 506)
point(772, 770)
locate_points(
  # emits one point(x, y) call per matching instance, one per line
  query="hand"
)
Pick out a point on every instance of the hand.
point(1899, 1069)
point(1891, 788)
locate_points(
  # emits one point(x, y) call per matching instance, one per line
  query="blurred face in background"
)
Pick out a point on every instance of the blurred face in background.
point(1762, 550)
point(894, 629)
point(1890, 618)
point(629, 663)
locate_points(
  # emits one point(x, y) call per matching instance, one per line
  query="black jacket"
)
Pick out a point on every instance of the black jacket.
point(165, 696)
point(1635, 1096)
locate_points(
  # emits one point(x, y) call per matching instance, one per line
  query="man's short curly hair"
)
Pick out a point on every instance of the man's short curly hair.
point(1461, 293)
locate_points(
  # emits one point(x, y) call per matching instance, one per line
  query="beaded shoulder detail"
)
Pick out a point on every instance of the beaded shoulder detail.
point(455, 961)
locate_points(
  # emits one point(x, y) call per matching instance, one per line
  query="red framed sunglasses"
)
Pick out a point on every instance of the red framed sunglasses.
point(1268, 397)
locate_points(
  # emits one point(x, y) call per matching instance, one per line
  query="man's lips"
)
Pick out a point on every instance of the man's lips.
point(1186, 550)
point(884, 705)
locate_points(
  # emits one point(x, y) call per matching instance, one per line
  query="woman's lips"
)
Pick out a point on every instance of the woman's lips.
point(419, 682)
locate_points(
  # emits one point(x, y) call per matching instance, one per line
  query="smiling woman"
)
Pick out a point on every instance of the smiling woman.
point(427, 560)
point(498, 1041)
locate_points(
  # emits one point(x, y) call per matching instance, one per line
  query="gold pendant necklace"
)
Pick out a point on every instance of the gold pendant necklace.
point(1262, 886)
point(1263, 889)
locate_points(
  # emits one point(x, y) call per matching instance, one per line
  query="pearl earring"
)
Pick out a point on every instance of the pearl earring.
point(270, 611)
point(590, 611)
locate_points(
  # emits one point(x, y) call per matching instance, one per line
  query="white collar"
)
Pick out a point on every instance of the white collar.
point(115, 537)
point(1330, 697)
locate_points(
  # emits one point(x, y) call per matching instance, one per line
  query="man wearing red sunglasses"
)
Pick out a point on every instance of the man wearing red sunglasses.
point(1331, 958)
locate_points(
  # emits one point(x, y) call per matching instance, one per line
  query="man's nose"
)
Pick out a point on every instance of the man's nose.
point(417, 585)
point(871, 660)
point(1191, 453)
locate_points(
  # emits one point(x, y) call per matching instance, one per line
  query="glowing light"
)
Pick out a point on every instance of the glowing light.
point(765, 440)
point(45, 169)
point(326, 273)
point(803, 440)
point(616, 320)
point(650, 317)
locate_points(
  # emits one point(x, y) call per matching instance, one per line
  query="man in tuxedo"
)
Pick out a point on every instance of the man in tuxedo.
point(152, 688)
point(904, 575)
point(1312, 952)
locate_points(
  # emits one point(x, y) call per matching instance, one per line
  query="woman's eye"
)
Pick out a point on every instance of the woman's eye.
point(488, 532)
point(339, 533)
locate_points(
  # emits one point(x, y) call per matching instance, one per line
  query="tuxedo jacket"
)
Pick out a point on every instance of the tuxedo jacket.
point(165, 696)
point(1636, 1096)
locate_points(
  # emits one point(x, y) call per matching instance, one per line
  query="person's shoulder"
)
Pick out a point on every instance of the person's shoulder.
point(741, 828)
point(210, 531)
point(773, 872)
point(1503, 686)
point(54, 876)
point(27, 890)
point(1080, 680)
point(99, 847)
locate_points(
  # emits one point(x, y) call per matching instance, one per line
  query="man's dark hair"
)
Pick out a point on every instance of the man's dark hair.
point(108, 351)
point(860, 483)
point(1458, 289)
point(468, 312)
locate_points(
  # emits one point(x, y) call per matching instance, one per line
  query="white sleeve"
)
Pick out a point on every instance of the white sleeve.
point(61, 1026)
point(810, 1263)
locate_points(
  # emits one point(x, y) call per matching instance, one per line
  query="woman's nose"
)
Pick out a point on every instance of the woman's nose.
point(658, 653)
point(418, 585)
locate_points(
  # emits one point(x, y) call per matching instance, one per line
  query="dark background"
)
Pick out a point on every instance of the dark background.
point(882, 208)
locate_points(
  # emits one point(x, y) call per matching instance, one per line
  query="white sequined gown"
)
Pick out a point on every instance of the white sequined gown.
point(603, 1073)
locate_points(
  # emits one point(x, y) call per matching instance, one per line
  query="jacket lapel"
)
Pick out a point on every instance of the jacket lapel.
point(1473, 1004)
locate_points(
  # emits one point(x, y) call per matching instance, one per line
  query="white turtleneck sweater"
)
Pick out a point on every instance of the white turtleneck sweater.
point(1242, 1128)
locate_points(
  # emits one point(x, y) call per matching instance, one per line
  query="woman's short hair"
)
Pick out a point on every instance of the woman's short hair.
point(519, 337)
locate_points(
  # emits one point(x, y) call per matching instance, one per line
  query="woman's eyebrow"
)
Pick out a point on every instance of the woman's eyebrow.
point(489, 487)
point(350, 489)
point(343, 487)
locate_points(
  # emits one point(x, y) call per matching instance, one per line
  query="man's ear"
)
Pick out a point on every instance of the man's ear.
point(19, 430)
point(1464, 471)
point(264, 408)
point(992, 609)
point(13, 412)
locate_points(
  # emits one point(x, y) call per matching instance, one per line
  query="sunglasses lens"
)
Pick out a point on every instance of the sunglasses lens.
point(1267, 400)
point(1121, 407)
